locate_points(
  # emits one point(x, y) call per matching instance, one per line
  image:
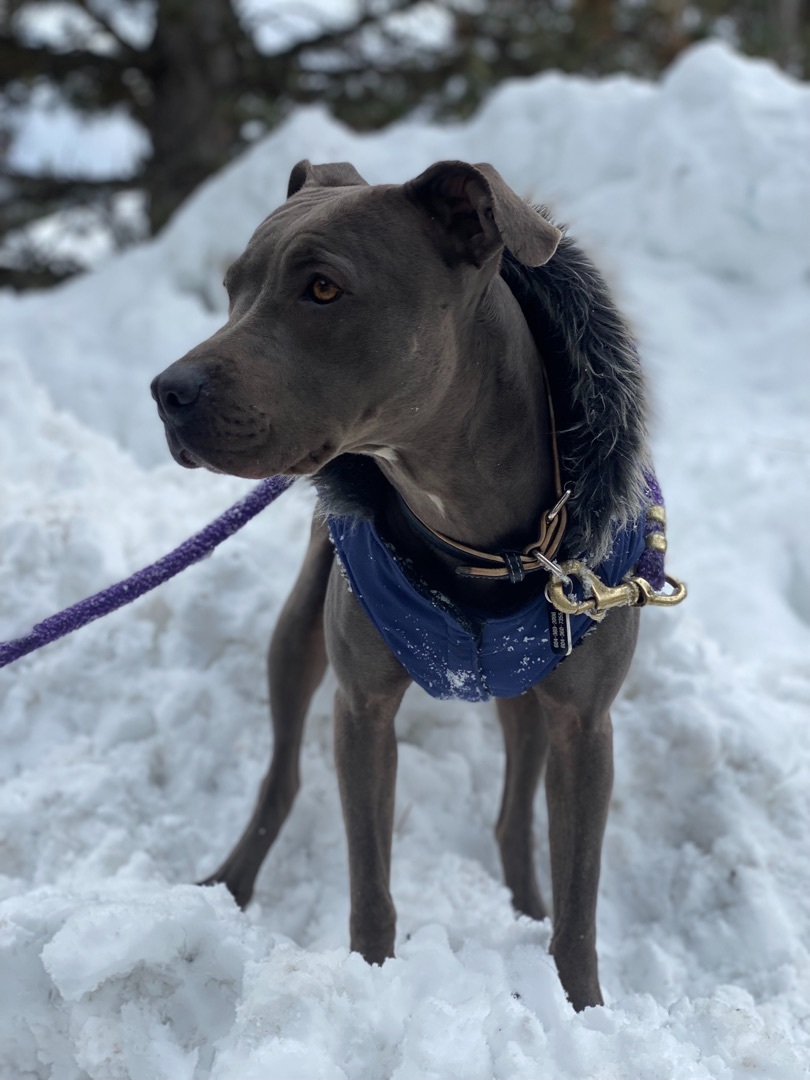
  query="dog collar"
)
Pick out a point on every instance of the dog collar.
point(508, 564)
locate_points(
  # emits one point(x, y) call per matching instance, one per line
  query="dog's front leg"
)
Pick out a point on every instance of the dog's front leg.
point(366, 757)
point(525, 734)
point(296, 664)
point(371, 685)
point(579, 777)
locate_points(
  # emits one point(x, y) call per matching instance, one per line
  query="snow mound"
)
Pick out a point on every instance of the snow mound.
point(131, 752)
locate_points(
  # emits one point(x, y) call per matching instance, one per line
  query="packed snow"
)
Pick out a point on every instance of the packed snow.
point(132, 751)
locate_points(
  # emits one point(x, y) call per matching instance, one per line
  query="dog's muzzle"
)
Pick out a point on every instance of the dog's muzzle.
point(176, 392)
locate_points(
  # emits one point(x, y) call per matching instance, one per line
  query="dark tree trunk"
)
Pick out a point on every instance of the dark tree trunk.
point(789, 50)
point(196, 66)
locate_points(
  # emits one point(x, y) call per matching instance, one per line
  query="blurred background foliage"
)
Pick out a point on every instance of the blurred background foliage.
point(194, 82)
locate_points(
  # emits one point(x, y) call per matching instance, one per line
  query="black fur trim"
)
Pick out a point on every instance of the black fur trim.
point(598, 391)
point(350, 486)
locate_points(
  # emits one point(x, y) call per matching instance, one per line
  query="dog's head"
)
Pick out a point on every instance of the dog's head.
point(343, 319)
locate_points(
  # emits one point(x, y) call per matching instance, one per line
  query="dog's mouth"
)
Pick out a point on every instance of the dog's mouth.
point(181, 454)
point(187, 460)
point(249, 466)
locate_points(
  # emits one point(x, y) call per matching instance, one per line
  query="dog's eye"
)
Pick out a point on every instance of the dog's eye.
point(323, 291)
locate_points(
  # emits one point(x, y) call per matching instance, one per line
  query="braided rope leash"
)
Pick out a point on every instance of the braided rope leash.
point(143, 581)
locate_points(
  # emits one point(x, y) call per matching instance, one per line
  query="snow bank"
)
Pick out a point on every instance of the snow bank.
point(132, 751)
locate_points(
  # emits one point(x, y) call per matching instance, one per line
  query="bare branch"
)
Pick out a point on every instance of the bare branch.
point(27, 62)
point(36, 276)
point(338, 35)
point(127, 53)
point(25, 199)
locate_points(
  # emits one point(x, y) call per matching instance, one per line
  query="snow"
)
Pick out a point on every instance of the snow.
point(132, 751)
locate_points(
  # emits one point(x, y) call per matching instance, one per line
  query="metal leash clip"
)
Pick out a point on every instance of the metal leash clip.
point(660, 599)
point(600, 598)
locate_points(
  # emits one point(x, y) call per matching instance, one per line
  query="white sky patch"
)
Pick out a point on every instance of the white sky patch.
point(281, 23)
point(58, 25)
point(51, 136)
point(62, 25)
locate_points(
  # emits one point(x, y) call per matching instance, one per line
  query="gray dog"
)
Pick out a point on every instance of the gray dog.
point(408, 347)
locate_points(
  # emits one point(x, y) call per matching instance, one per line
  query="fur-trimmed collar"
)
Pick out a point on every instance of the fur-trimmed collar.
point(597, 387)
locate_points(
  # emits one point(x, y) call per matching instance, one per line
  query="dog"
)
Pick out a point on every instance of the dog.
point(450, 370)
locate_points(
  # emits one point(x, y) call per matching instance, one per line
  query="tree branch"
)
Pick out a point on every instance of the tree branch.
point(27, 62)
point(128, 53)
point(37, 276)
point(337, 35)
point(25, 199)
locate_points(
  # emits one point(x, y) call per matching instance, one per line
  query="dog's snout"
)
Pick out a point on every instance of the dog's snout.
point(178, 388)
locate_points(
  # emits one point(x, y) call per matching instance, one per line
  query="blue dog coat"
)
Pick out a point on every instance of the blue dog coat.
point(453, 652)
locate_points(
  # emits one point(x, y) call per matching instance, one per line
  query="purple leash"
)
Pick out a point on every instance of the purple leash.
point(143, 581)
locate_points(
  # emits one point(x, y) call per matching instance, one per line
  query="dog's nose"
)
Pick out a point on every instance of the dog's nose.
point(175, 390)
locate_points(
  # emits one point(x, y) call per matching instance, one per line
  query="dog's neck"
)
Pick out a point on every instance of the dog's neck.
point(479, 467)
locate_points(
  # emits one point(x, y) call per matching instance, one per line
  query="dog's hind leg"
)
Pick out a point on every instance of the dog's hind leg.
point(296, 665)
point(576, 700)
point(525, 736)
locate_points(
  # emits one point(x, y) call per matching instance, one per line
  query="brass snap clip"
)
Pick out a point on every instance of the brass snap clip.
point(660, 599)
point(600, 598)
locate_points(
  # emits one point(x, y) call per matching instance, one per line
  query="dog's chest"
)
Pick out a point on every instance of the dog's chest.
point(450, 651)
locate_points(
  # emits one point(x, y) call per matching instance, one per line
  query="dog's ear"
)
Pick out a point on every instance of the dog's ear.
point(337, 174)
point(481, 214)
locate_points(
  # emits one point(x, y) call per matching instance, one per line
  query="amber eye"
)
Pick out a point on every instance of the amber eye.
point(323, 291)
